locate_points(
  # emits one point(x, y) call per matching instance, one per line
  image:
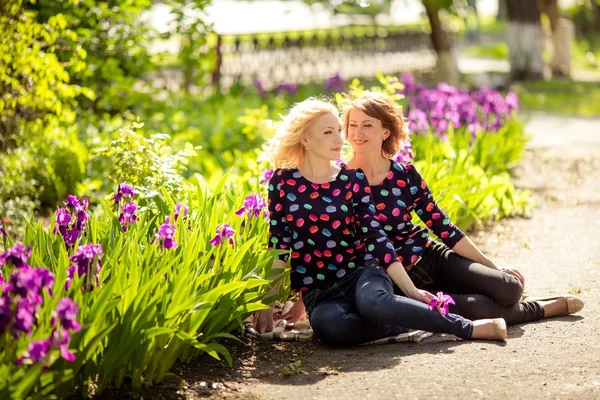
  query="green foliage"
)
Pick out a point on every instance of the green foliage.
point(115, 42)
point(153, 306)
point(466, 181)
point(147, 163)
point(34, 82)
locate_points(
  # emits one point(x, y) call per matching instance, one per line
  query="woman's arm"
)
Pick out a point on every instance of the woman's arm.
point(428, 210)
point(466, 248)
point(398, 274)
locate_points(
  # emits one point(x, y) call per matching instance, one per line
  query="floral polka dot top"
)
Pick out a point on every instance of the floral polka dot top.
point(329, 228)
point(403, 190)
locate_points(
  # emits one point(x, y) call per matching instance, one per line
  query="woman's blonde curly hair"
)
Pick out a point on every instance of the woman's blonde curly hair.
point(384, 108)
point(285, 150)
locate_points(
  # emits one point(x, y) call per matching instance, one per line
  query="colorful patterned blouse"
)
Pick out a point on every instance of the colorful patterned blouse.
point(403, 190)
point(330, 228)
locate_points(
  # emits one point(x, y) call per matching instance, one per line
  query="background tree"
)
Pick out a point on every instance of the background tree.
point(525, 39)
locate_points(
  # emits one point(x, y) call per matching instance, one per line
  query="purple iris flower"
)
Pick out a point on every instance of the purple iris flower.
point(24, 316)
point(334, 83)
point(83, 264)
point(442, 300)
point(66, 312)
point(71, 220)
point(181, 208)
point(29, 282)
point(61, 339)
point(124, 191)
point(3, 232)
point(128, 215)
point(36, 352)
point(166, 234)
point(63, 217)
point(17, 256)
point(253, 206)
point(224, 231)
point(266, 176)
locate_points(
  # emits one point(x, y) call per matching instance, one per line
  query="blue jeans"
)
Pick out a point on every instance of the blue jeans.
point(362, 307)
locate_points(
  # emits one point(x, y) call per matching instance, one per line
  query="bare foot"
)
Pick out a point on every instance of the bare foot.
point(491, 329)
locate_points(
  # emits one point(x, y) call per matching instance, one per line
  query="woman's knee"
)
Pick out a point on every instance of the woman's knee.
point(331, 324)
point(511, 292)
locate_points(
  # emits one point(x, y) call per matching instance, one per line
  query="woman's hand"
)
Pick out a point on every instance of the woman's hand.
point(296, 313)
point(422, 295)
point(264, 322)
point(514, 272)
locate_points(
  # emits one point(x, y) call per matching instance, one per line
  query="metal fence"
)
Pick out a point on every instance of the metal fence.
point(300, 58)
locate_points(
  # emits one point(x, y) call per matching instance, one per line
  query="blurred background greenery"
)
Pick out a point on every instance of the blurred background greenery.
point(73, 72)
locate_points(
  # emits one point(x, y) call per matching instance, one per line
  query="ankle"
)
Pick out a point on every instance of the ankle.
point(491, 329)
point(554, 307)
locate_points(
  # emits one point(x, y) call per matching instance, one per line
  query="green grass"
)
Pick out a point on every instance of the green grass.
point(498, 51)
point(560, 96)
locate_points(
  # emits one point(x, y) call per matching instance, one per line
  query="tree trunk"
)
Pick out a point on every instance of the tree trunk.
point(446, 67)
point(502, 12)
point(525, 39)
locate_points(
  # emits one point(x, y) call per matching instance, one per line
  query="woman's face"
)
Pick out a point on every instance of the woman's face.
point(365, 134)
point(324, 138)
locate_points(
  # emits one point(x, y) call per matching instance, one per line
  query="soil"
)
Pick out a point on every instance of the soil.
point(557, 250)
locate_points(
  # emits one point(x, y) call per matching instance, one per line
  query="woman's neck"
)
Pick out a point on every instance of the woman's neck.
point(317, 169)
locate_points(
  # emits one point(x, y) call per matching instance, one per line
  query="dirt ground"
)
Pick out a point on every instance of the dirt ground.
point(556, 248)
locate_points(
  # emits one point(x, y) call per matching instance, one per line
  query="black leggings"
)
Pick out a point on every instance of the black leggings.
point(480, 292)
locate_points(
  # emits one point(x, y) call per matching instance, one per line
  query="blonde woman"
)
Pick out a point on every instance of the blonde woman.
point(374, 126)
point(341, 259)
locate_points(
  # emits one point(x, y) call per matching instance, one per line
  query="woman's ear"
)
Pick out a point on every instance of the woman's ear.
point(386, 134)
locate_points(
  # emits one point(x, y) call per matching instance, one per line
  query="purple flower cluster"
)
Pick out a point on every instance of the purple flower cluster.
point(442, 300)
point(71, 220)
point(440, 108)
point(405, 153)
point(224, 231)
point(86, 263)
point(64, 319)
point(21, 299)
point(127, 216)
point(254, 205)
point(334, 84)
point(286, 87)
point(16, 256)
point(166, 235)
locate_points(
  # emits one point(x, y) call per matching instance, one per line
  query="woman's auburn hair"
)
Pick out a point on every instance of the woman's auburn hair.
point(285, 150)
point(382, 107)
